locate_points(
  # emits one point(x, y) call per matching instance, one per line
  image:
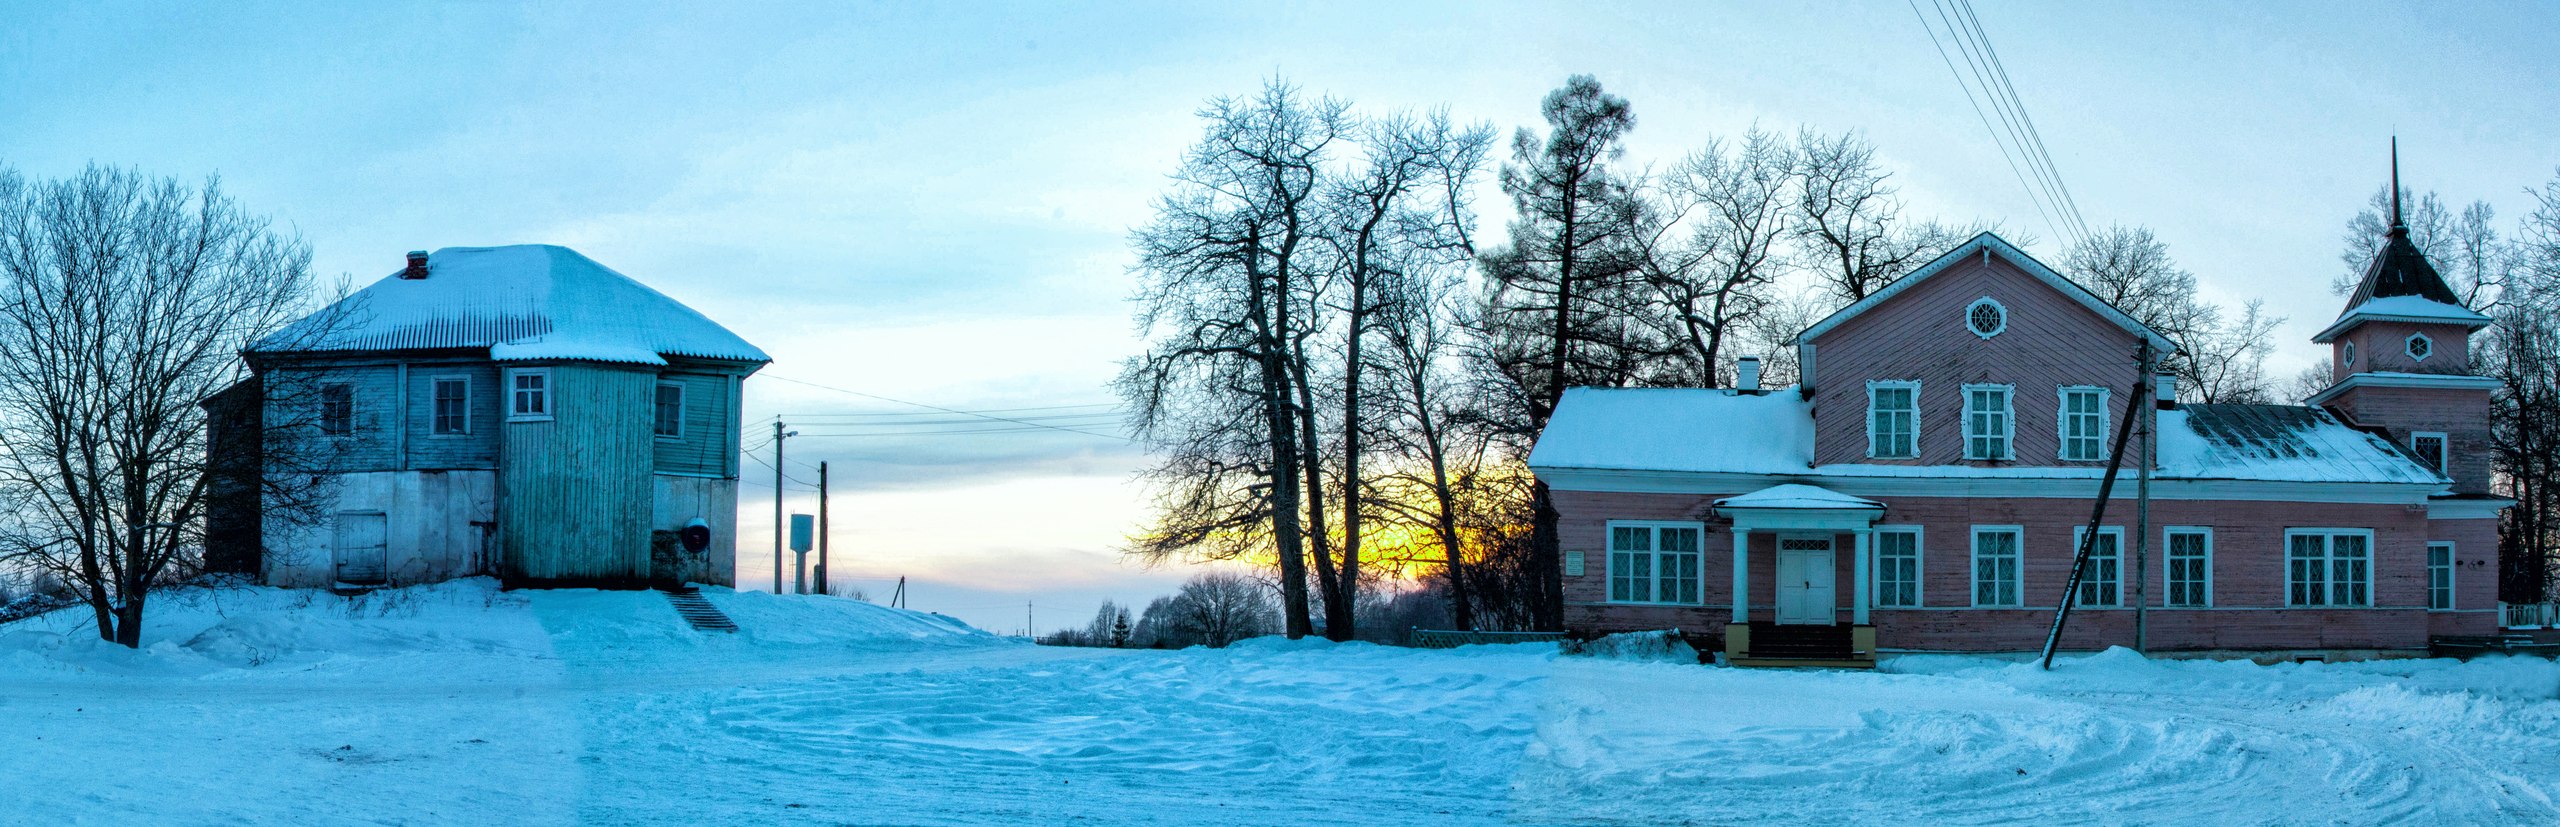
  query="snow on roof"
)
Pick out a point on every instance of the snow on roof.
point(1722, 432)
point(2403, 309)
point(2293, 443)
point(1796, 495)
point(523, 302)
point(1678, 429)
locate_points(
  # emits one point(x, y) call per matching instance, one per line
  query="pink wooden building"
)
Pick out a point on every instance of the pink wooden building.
point(1925, 487)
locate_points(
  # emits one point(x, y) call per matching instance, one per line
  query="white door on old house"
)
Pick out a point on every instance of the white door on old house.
point(1807, 585)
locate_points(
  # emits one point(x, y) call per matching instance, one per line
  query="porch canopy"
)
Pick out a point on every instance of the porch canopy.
point(1795, 507)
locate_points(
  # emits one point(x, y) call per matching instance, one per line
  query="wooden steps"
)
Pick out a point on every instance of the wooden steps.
point(1794, 645)
point(695, 610)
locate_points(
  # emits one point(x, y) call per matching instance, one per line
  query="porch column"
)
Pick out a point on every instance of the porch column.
point(1741, 575)
point(1863, 587)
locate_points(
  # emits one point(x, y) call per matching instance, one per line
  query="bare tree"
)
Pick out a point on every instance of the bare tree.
point(1709, 238)
point(124, 302)
point(1402, 216)
point(2219, 358)
point(1226, 300)
point(1849, 225)
point(1216, 608)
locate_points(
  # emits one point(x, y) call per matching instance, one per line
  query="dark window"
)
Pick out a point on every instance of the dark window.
point(2430, 451)
point(670, 411)
point(453, 406)
point(531, 398)
point(337, 409)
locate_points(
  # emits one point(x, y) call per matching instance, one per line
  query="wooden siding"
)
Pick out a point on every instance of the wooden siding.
point(2248, 574)
point(477, 449)
point(2051, 342)
point(293, 403)
point(575, 499)
point(2384, 346)
point(710, 427)
point(2461, 414)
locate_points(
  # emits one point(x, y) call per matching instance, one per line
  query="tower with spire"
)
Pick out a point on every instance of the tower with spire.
point(2401, 359)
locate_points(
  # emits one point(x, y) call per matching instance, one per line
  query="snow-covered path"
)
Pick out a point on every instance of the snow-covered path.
point(461, 705)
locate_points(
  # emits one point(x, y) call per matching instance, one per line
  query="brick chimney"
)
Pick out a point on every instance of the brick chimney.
point(417, 265)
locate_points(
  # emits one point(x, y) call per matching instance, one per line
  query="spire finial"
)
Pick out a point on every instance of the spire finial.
point(2398, 227)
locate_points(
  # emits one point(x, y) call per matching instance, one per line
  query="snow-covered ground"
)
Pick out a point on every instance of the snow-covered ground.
point(460, 704)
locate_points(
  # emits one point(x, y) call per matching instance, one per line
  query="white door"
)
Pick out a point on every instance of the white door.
point(360, 547)
point(1807, 587)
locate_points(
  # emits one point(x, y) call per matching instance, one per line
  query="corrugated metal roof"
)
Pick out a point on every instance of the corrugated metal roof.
point(525, 302)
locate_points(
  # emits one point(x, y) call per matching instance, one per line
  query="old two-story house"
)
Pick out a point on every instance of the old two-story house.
point(521, 412)
point(1926, 486)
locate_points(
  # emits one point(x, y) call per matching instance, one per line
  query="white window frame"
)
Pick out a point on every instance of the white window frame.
point(2330, 584)
point(2168, 564)
point(2008, 421)
point(2444, 449)
point(1919, 566)
point(678, 436)
point(1893, 384)
point(515, 396)
point(2017, 573)
point(2449, 569)
point(2062, 423)
point(1655, 556)
point(2410, 346)
point(1995, 305)
point(435, 383)
point(2089, 576)
point(2350, 349)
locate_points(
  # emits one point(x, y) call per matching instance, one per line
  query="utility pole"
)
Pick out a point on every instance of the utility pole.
point(822, 527)
point(2149, 415)
point(1026, 621)
point(2098, 512)
point(778, 526)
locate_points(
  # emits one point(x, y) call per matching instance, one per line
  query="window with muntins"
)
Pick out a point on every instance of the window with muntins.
point(1897, 568)
point(529, 394)
point(1995, 566)
point(1654, 562)
point(2420, 347)
point(2440, 576)
point(337, 409)
point(452, 406)
point(2430, 450)
point(2102, 581)
point(1986, 318)
point(2084, 424)
point(2328, 567)
point(2190, 572)
point(1986, 422)
point(1893, 420)
point(670, 412)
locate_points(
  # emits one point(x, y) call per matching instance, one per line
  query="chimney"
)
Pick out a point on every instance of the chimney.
point(417, 265)
point(2164, 391)
point(1746, 371)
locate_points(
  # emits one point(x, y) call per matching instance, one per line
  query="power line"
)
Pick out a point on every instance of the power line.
point(1985, 118)
point(943, 409)
point(2069, 205)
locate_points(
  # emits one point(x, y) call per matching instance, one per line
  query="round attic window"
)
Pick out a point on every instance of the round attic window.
point(1986, 318)
point(2420, 347)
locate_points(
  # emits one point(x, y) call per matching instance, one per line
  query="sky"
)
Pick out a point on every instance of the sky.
point(930, 202)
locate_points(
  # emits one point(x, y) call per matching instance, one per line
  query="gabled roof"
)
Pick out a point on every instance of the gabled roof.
point(1995, 245)
point(522, 302)
point(1797, 496)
